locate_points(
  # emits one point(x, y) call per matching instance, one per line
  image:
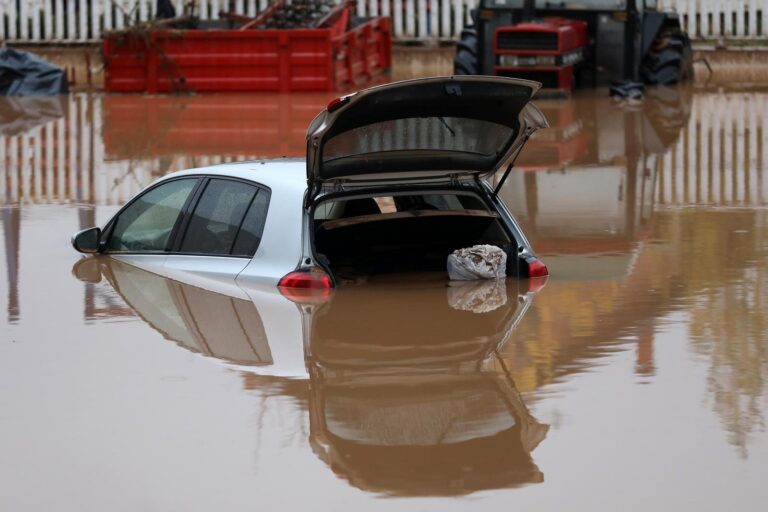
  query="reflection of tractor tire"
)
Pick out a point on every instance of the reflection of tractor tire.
point(466, 62)
point(670, 59)
point(667, 111)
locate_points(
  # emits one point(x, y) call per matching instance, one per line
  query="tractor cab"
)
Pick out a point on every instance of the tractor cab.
point(584, 43)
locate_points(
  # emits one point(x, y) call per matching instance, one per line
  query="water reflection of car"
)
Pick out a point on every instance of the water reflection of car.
point(214, 324)
point(415, 400)
point(396, 178)
point(227, 324)
point(408, 394)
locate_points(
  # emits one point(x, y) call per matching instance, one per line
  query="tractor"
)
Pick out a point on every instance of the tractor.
point(579, 43)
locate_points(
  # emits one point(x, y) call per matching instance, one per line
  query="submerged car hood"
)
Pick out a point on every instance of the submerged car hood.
point(423, 128)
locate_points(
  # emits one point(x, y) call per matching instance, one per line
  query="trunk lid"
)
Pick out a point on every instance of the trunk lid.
point(422, 129)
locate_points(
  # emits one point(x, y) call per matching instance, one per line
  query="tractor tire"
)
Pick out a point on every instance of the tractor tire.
point(466, 61)
point(670, 59)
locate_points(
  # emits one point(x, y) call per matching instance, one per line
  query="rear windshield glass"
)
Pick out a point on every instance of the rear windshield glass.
point(420, 134)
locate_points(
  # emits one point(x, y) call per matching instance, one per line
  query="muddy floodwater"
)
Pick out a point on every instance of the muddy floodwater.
point(636, 379)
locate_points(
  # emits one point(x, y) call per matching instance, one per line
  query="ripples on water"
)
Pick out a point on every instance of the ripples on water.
point(641, 364)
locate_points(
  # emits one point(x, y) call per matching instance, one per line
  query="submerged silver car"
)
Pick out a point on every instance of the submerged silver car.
point(396, 178)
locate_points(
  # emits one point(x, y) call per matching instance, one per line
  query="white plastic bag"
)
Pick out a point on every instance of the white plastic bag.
point(477, 262)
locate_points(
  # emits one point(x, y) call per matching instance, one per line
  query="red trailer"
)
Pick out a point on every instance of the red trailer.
point(338, 57)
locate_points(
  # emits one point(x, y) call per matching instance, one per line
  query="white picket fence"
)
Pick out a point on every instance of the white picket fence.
point(86, 20)
point(721, 157)
point(712, 19)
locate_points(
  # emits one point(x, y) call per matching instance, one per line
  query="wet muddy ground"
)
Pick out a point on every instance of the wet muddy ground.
point(636, 379)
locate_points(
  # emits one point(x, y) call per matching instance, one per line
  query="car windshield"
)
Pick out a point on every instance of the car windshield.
point(420, 134)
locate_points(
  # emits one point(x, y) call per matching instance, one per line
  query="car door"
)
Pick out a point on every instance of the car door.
point(220, 233)
point(143, 231)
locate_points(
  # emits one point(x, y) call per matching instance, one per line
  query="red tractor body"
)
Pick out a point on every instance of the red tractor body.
point(544, 50)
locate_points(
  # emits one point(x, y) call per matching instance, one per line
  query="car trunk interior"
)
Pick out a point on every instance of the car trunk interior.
point(402, 233)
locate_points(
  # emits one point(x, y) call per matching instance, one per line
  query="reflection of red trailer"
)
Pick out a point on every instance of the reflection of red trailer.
point(237, 125)
point(250, 60)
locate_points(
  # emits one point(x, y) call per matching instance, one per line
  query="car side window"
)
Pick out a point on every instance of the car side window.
point(249, 237)
point(146, 224)
point(221, 215)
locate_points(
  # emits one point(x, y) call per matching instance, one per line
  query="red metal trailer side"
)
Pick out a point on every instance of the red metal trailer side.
point(268, 60)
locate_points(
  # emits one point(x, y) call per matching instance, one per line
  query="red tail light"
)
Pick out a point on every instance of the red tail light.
point(306, 279)
point(536, 268)
point(306, 287)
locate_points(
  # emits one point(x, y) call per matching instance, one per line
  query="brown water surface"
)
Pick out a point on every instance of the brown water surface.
point(636, 379)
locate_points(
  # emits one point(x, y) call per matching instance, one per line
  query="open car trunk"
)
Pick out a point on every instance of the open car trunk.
point(402, 233)
point(459, 129)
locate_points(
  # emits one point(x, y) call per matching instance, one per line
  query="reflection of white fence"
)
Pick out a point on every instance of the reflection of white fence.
point(56, 162)
point(64, 161)
point(86, 20)
point(721, 157)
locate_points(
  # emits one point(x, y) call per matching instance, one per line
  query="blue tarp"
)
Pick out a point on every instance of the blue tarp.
point(26, 74)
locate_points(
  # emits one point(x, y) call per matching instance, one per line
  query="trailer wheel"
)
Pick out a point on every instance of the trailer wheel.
point(670, 59)
point(466, 62)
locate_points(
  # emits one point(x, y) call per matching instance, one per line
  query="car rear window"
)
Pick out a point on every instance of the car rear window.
point(419, 134)
point(249, 237)
point(227, 220)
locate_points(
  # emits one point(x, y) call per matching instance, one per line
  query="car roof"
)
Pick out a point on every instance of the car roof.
point(279, 173)
point(285, 177)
